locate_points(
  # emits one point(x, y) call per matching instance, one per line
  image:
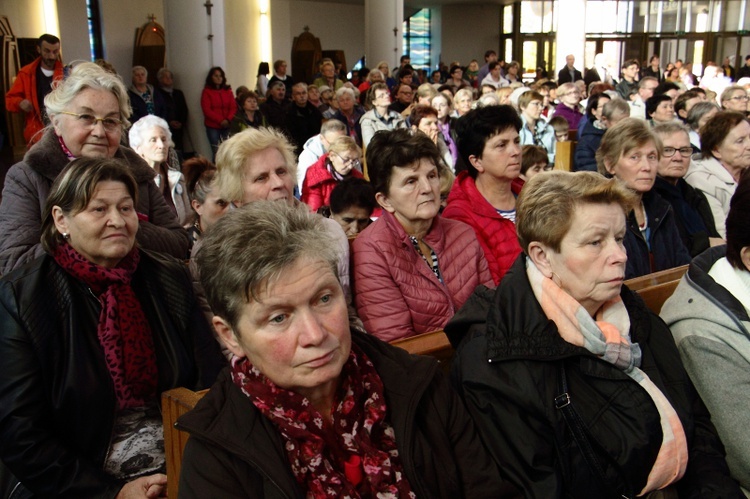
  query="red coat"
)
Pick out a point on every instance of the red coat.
point(397, 294)
point(24, 87)
point(217, 105)
point(319, 183)
point(496, 234)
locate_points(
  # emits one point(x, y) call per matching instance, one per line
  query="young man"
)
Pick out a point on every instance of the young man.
point(628, 85)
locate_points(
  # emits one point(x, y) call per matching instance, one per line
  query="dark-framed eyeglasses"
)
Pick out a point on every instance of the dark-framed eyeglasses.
point(668, 152)
point(89, 121)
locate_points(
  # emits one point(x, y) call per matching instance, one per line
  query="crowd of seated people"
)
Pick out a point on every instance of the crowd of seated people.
point(327, 228)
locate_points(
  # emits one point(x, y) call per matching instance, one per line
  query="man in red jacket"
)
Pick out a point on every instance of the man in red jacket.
point(33, 83)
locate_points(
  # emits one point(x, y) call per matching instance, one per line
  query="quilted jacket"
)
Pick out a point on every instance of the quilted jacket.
point(319, 183)
point(496, 234)
point(397, 294)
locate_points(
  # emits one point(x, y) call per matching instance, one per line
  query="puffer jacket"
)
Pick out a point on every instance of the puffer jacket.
point(57, 399)
point(319, 184)
point(24, 87)
point(496, 234)
point(666, 248)
point(712, 330)
point(27, 186)
point(397, 294)
point(371, 123)
point(712, 179)
point(217, 105)
point(588, 142)
point(508, 367)
point(236, 452)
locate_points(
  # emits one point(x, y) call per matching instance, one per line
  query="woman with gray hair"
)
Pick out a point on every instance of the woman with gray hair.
point(143, 99)
point(349, 113)
point(309, 406)
point(698, 116)
point(88, 111)
point(151, 139)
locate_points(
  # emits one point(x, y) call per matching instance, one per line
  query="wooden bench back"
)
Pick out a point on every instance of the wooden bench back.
point(175, 403)
point(655, 288)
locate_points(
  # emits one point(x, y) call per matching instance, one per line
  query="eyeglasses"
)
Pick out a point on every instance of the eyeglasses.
point(89, 121)
point(354, 161)
point(668, 152)
point(740, 97)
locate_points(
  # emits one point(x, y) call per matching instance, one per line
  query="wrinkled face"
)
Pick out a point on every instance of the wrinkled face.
point(704, 119)
point(346, 102)
point(675, 157)
point(267, 177)
point(413, 193)
point(155, 146)
point(428, 126)
point(440, 103)
point(297, 332)
point(533, 110)
point(354, 219)
point(139, 77)
point(299, 96)
point(345, 162)
point(590, 266)
point(382, 98)
point(278, 93)
point(734, 151)
point(637, 167)
point(463, 104)
point(664, 112)
point(736, 102)
point(104, 232)
point(83, 139)
point(405, 94)
point(501, 157)
point(211, 210)
point(49, 53)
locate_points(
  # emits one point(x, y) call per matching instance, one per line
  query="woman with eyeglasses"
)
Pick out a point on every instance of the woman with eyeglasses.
point(342, 161)
point(88, 111)
point(734, 98)
point(692, 211)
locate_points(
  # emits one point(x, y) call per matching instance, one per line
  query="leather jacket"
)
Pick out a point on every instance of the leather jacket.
point(57, 400)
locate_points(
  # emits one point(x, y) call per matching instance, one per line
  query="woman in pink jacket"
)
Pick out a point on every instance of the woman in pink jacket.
point(412, 268)
point(219, 107)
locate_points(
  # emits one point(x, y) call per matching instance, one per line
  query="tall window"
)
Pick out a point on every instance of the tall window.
point(95, 29)
point(417, 39)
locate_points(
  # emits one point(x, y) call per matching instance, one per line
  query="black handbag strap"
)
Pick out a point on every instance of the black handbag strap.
point(564, 404)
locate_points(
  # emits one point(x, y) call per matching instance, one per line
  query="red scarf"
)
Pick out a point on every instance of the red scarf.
point(123, 331)
point(356, 455)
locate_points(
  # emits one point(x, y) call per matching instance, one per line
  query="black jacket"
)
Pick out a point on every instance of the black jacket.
point(57, 401)
point(697, 242)
point(177, 110)
point(563, 76)
point(508, 368)
point(588, 143)
point(302, 123)
point(236, 452)
point(667, 250)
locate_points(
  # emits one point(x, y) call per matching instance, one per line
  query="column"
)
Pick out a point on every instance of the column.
point(382, 17)
point(571, 33)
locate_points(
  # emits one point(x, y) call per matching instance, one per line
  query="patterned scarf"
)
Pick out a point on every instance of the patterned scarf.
point(608, 338)
point(356, 455)
point(123, 332)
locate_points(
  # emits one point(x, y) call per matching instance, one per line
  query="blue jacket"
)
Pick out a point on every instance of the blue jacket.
point(665, 249)
point(588, 143)
point(547, 134)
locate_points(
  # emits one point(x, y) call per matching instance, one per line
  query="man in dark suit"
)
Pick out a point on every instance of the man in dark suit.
point(177, 110)
point(569, 74)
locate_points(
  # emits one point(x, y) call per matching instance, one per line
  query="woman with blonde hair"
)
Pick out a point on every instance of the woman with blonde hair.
point(342, 161)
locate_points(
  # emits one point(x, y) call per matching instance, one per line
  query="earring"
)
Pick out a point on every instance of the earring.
point(65, 236)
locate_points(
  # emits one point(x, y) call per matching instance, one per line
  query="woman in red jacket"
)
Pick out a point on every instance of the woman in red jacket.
point(340, 162)
point(219, 107)
point(413, 269)
point(484, 196)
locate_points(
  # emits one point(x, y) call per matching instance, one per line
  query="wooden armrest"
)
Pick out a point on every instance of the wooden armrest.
point(175, 403)
point(434, 344)
point(663, 276)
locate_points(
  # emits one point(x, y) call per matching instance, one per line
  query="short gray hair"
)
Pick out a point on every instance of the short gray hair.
point(87, 75)
point(345, 90)
point(698, 111)
point(249, 248)
point(135, 135)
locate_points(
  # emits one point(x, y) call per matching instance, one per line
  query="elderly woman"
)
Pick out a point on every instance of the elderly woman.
point(219, 107)
point(92, 333)
point(379, 117)
point(660, 109)
point(484, 196)
point(424, 118)
point(151, 139)
point(143, 99)
point(349, 113)
point(462, 102)
point(562, 357)
point(631, 153)
point(342, 161)
point(412, 268)
point(734, 98)
point(692, 212)
point(709, 315)
point(698, 116)
point(88, 111)
point(725, 154)
point(309, 406)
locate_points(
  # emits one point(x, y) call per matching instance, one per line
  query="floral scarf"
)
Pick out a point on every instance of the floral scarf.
point(608, 337)
point(356, 455)
point(123, 331)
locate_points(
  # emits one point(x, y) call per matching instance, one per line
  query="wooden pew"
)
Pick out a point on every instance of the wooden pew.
point(564, 153)
point(175, 403)
point(655, 288)
point(434, 344)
